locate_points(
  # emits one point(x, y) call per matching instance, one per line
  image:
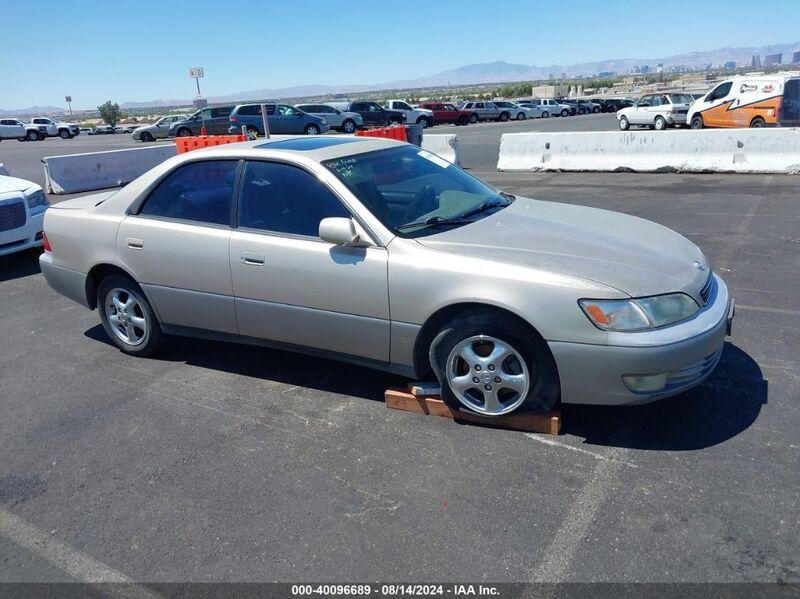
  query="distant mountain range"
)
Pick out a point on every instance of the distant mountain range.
point(490, 72)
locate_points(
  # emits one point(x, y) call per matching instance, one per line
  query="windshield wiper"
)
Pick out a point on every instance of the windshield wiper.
point(490, 205)
point(434, 221)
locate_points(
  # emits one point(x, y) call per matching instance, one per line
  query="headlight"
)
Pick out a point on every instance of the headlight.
point(36, 200)
point(324, 122)
point(639, 314)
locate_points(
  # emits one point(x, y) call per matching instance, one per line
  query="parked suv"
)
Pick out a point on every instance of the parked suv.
point(487, 111)
point(215, 119)
point(589, 106)
point(345, 122)
point(445, 112)
point(657, 111)
point(282, 119)
point(374, 114)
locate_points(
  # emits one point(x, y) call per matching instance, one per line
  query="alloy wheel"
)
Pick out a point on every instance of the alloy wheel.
point(126, 317)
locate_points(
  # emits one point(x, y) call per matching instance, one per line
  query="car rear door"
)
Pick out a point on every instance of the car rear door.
point(176, 244)
point(10, 129)
point(290, 286)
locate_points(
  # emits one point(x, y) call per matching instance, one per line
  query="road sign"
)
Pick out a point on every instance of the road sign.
point(67, 99)
point(196, 73)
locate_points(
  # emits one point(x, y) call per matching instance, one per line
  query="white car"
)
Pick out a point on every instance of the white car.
point(657, 111)
point(56, 128)
point(344, 121)
point(549, 107)
point(420, 116)
point(517, 111)
point(16, 129)
point(22, 208)
point(159, 129)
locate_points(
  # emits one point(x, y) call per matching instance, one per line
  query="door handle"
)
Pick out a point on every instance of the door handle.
point(254, 259)
point(135, 244)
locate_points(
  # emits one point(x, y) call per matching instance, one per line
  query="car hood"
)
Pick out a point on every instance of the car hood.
point(13, 184)
point(633, 255)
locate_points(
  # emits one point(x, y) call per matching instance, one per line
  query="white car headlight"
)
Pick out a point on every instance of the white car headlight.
point(639, 314)
point(36, 201)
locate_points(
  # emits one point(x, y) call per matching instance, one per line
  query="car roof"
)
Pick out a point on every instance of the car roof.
point(316, 148)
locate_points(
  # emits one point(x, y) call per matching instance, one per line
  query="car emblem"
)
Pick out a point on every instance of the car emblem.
point(698, 265)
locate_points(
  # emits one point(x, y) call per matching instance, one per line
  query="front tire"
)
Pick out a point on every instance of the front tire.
point(624, 125)
point(184, 132)
point(513, 368)
point(32, 136)
point(660, 123)
point(312, 129)
point(127, 317)
point(63, 134)
point(463, 120)
point(520, 116)
point(697, 122)
point(349, 126)
point(147, 136)
point(565, 112)
point(423, 122)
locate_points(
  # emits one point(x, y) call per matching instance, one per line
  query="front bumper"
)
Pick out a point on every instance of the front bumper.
point(687, 352)
point(23, 238)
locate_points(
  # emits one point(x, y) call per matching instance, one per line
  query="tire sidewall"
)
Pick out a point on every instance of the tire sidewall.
point(153, 339)
point(544, 392)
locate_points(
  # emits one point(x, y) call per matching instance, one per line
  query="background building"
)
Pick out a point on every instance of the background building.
point(772, 59)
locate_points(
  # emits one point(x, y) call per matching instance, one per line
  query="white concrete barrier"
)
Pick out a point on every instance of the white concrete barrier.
point(100, 170)
point(688, 151)
point(4, 170)
point(445, 146)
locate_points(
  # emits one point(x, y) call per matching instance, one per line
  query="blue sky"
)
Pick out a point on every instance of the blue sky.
point(141, 50)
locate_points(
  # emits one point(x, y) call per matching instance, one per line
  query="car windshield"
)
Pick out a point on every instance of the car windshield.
point(415, 193)
point(681, 98)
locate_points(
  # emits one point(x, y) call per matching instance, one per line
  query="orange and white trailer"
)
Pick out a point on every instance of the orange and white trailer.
point(752, 100)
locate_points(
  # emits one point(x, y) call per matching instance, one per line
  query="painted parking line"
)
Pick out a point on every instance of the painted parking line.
point(72, 561)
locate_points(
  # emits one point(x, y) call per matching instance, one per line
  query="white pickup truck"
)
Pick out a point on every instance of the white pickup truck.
point(420, 116)
point(55, 128)
point(16, 129)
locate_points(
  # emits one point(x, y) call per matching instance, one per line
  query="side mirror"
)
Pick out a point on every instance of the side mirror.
point(338, 231)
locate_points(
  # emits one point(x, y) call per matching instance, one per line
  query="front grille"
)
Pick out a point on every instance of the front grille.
point(705, 291)
point(691, 375)
point(12, 216)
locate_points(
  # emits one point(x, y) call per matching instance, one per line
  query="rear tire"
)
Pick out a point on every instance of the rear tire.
point(697, 122)
point(503, 117)
point(660, 123)
point(757, 123)
point(473, 118)
point(545, 115)
point(127, 317)
point(624, 125)
point(523, 377)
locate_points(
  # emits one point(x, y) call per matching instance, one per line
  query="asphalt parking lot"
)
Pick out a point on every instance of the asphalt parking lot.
point(218, 462)
point(479, 143)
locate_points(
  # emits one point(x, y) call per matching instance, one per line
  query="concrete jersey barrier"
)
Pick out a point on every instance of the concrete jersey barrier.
point(688, 151)
point(445, 146)
point(100, 170)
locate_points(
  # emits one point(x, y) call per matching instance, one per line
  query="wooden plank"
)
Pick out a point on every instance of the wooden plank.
point(402, 399)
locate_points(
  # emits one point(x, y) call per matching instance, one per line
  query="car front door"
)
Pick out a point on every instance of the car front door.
point(638, 116)
point(290, 286)
point(10, 129)
point(715, 106)
point(176, 244)
point(330, 114)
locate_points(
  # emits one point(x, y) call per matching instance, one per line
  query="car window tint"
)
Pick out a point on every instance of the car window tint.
point(251, 110)
point(198, 191)
point(285, 199)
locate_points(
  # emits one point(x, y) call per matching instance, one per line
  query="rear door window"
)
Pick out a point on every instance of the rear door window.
point(199, 191)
